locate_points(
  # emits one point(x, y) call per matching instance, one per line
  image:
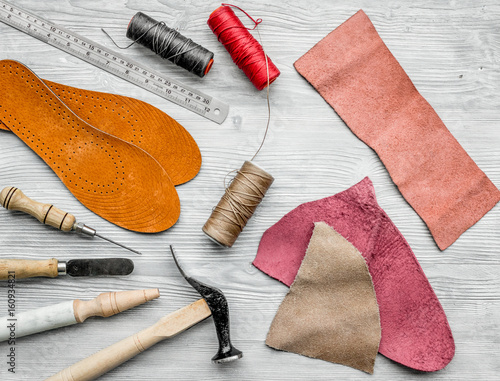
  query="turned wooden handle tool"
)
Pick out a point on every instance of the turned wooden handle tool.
point(109, 358)
point(12, 198)
point(72, 312)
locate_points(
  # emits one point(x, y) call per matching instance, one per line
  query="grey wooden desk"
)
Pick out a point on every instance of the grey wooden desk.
point(451, 51)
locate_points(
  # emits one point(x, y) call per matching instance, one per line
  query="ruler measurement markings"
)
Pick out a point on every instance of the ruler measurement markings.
point(58, 35)
point(107, 60)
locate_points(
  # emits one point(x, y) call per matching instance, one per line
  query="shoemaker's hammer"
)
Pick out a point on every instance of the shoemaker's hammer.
point(213, 303)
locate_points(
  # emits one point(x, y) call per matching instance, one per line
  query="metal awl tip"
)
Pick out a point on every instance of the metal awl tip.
point(118, 244)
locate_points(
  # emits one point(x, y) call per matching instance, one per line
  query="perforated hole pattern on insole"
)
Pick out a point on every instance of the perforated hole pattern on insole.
point(49, 154)
point(130, 118)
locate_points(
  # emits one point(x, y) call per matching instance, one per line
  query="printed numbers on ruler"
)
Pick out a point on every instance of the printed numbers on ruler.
point(100, 56)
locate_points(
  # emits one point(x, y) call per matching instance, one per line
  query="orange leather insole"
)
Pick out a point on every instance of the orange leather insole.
point(115, 179)
point(136, 122)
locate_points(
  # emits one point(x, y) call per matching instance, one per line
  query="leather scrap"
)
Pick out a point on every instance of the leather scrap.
point(358, 76)
point(331, 310)
point(415, 330)
point(138, 123)
point(116, 180)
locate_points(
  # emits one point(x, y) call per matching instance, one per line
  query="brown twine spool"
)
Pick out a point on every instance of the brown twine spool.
point(238, 204)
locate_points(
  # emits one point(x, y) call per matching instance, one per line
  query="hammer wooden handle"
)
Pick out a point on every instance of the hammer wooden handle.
point(28, 268)
point(109, 358)
point(14, 199)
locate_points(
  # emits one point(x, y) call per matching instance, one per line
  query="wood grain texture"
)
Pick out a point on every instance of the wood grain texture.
point(451, 51)
point(26, 268)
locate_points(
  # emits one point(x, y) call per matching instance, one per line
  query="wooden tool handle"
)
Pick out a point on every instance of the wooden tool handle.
point(116, 354)
point(27, 268)
point(14, 199)
point(111, 303)
point(103, 361)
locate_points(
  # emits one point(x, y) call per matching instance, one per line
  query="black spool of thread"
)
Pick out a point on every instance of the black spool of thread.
point(170, 44)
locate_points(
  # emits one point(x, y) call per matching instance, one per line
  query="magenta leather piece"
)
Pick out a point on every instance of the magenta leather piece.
point(415, 330)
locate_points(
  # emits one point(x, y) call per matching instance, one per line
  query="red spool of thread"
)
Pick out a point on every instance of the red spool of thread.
point(244, 49)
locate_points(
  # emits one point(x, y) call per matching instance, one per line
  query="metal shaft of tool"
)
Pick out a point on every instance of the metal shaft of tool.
point(119, 244)
point(86, 230)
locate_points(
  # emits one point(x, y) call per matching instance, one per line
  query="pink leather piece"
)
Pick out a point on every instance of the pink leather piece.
point(357, 75)
point(415, 330)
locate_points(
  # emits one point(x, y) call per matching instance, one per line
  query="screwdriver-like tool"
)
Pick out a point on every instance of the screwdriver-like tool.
point(13, 198)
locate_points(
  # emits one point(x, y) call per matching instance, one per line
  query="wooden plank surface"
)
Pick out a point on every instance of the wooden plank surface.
point(451, 51)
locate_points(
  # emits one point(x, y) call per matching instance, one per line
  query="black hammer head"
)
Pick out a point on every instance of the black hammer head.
point(217, 303)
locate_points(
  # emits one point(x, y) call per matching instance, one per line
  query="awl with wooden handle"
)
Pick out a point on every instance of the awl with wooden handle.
point(72, 312)
point(51, 268)
point(12, 198)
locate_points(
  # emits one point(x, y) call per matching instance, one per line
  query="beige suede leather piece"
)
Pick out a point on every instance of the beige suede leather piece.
point(331, 310)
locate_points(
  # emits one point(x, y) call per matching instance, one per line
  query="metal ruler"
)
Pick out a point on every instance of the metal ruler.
point(104, 58)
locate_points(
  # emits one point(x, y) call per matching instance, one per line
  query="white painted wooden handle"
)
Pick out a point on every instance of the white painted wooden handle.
point(39, 320)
